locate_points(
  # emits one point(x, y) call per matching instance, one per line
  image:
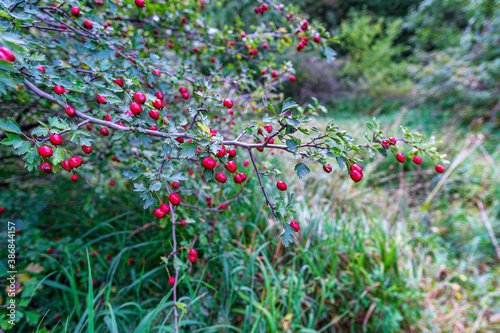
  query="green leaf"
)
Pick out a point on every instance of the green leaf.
point(270, 107)
point(39, 131)
point(287, 236)
point(288, 104)
point(10, 126)
point(292, 145)
point(58, 156)
point(302, 170)
point(188, 149)
point(155, 187)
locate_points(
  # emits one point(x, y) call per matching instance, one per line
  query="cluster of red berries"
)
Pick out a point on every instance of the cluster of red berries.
point(164, 209)
point(356, 173)
point(261, 9)
point(193, 255)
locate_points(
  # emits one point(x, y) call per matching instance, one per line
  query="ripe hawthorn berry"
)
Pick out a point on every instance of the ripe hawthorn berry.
point(327, 167)
point(439, 168)
point(104, 131)
point(222, 151)
point(88, 24)
point(260, 148)
point(246, 163)
point(159, 95)
point(139, 97)
point(171, 281)
point(174, 199)
point(101, 99)
point(75, 11)
point(295, 226)
point(46, 168)
point(393, 140)
point(281, 186)
point(417, 160)
point(193, 252)
point(130, 261)
point(159, 213)
point(401, 157)
point(70, 111)
point(156, 72)
point(140, 3)
point(356, 175)
point(220, 177)
point(183, 223)
point(154, 114)
point(243, 176)
point(237, 179)
point(45, 151)
point(6, 52)
point(50, 250)
point(55, 139)
point(158, 104)
point(65, 165)
point(135, 108)
point(107, 117)
point(356, 167)
point(292, 78)
point(58, 89)
point(231, 152)
point(112, 183)
point(165, 207)
point(192, 259)
point(74, 162)
point(119, 82)
point(208, 163)
point(175, 184)
point(231, 166)
point(74, 178)
point(228, 103)
point(153, 128)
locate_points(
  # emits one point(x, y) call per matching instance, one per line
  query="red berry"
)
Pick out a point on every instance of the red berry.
point(281, 186)
point(140, 3)
point(46, 168)
point(220, 177)
point(185, 95)
point(6, 52)
point(58, 90)
point(159, 213)
point(41, 69)
point(50, 250)
point(130, 261)
point(104, 131)
point(153, 128)
point(221, 151)
point(165, 207)
point(193, 252)
point(139, 97)
point(237, 179)
point(88, 24)
point(417, 160)
point(260, 148)
point(174, 199)
point(231, 166)
point(231, 152)
point(356, 167)
point(75, 11)
point(156, 72)
point(246, 163)
point(154, 114)
point(74, 178)
point(159, 95)
point(292, 78)
point(393, 140)
point(208, 163)
point(243, 176)
point(171, 281)
point(101, 99)
point(192, 258)
point(182, 89)
point(55, 139)
point(183, 223)
point(228, 103)
point(87, 149)
point(135, 108)
point(327, 167)
point(74, 162)
point(45, 151)
point(158, 104)
point(356, 175)
point(107, 117)
point(439, 168)
point(119, 82)
point(65, 165)
point(401, 157)
point(70, 111)
point(112, 183)
point(175, 184)
point(295, 226)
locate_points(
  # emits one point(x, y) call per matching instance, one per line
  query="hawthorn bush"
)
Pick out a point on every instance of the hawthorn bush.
point(184, 104)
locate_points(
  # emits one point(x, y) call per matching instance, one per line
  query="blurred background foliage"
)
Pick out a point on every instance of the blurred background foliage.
point(405, 250)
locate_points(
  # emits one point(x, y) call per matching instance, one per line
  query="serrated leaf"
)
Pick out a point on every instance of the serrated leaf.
point(288, 234)
point(203, 127)
point(155, 187)
point(188, 149)
point(58, 156)
point(39, 131)
point(292, 145)
point(10, 126)
point(302, 170)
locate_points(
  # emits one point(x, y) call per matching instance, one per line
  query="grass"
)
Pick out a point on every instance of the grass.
point(371, 257)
